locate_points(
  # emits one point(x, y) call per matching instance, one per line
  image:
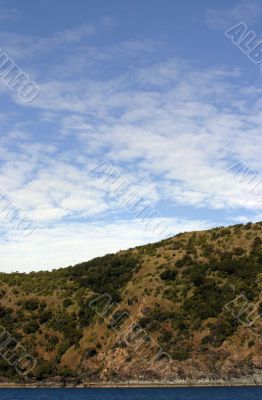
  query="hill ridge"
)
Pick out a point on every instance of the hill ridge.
point(187, 307)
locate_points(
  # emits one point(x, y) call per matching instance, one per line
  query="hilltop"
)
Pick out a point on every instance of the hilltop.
point(186, 309)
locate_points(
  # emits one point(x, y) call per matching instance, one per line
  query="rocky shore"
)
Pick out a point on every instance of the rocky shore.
point(254, 380)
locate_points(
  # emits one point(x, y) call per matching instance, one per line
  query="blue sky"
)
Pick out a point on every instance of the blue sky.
point(153, 88)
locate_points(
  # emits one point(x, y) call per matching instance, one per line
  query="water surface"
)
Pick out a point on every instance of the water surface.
point(221, 393)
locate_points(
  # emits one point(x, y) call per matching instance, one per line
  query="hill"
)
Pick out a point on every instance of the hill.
point(186, 309)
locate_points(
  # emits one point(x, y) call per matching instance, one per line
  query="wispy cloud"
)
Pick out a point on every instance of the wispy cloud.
point(69, 244)
point(172, 127)
point(15, 44)
point(9, 14)
point(220, 18)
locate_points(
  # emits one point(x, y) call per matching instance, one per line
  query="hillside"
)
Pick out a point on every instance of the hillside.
point(184, 309)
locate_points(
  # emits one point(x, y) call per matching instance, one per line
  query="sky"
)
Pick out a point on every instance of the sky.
point(144, 121)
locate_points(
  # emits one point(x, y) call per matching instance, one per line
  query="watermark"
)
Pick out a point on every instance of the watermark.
point(247, 41)
point(12, 215)
point(134, 204)
point(15, 354)
point(248, 314)
point(247, 176)
point(16, 79)
point(134, 336)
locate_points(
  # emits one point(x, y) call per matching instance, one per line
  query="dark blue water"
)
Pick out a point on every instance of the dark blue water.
point(133, 394)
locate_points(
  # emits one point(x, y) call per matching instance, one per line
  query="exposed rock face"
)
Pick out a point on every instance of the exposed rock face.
point(186, 310)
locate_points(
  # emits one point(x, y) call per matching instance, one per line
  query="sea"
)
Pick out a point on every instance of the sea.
point(213, 393)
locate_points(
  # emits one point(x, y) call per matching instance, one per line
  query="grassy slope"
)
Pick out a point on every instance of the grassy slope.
point(176, 290)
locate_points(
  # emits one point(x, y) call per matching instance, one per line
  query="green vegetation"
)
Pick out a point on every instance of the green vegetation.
point(175, 290)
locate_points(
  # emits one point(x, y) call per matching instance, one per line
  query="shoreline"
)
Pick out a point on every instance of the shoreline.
point(113, 385)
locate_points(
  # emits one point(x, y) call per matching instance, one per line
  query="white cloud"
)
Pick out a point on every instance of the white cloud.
point(171, 128)
point(176, 133)
point(221, 19)
point(65, 245)
point(7, 14)
point(26, 47)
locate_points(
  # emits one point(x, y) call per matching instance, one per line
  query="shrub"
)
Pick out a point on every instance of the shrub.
point(31, 327)
point(67, 302)
point(45, 316)
point(90, 352)
point(186, 260)
point(31, 304)
point(239, 251)
point(168, 275)
point(106, 274)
